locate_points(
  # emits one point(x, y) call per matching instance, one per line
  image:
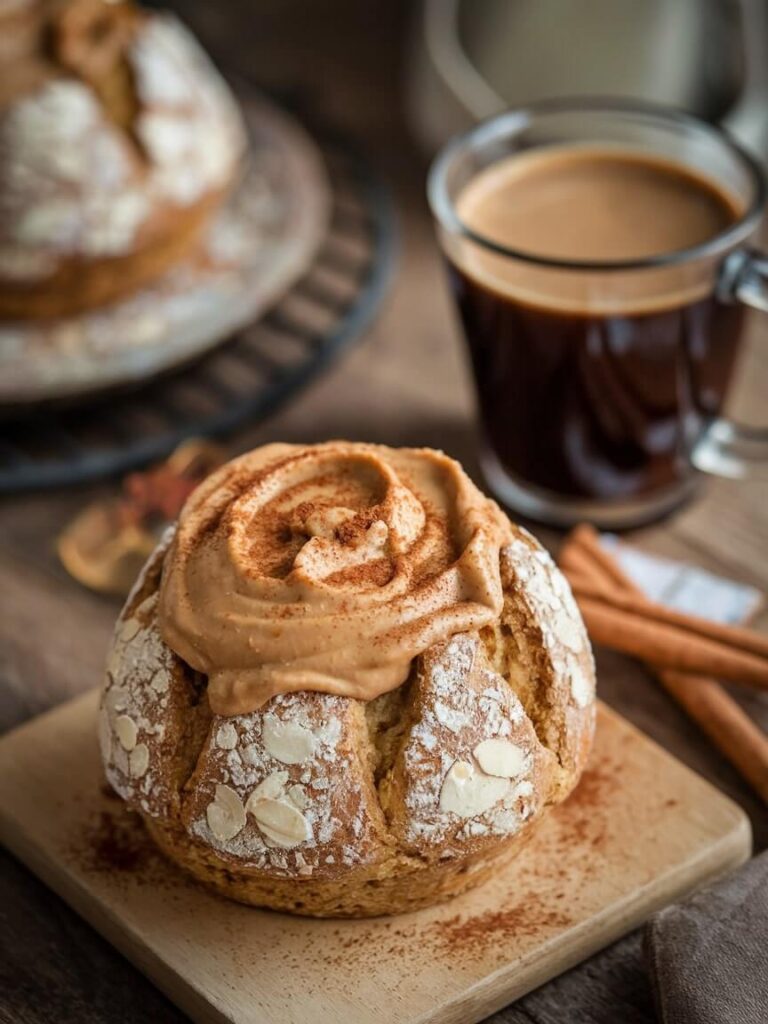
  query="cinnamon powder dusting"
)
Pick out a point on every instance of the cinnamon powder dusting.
point(327, 568)
point(542, 900)
point(115, 847)
point(115, 842)
point(582, 818)
point(527, 918)
point(456, 936)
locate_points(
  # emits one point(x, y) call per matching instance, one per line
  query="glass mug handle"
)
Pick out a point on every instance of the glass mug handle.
point(727, 448)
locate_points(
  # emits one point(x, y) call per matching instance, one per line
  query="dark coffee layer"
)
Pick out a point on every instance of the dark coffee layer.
point(597, 407)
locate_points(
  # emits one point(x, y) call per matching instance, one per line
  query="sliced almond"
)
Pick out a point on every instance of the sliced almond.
point(115, 699)
point(281, 822)
point(298, 796)
point(288, 742)
point(269, 789)
point(138, 761)
point(467, 793)
point(226, 736)
point(501, 758)
point(225, 814)
point(126, 731)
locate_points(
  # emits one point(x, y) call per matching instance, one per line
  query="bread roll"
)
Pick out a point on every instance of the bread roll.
point(301, 756)
point(118, 141)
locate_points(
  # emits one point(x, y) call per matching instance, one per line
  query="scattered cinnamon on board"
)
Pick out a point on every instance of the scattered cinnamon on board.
point(114, 841)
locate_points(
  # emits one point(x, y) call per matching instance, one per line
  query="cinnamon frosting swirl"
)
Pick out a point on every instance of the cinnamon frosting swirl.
point(327, 567)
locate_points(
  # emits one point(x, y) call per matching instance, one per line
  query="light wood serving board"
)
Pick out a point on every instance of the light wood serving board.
point(640, 831)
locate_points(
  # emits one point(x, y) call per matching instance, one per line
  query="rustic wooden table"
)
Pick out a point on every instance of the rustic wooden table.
point(404, 384)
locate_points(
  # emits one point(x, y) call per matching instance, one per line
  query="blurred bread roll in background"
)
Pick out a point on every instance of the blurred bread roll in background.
point(118, 142)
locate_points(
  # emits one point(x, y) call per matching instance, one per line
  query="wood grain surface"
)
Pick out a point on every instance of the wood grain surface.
point(640, 830)
point(405, 383)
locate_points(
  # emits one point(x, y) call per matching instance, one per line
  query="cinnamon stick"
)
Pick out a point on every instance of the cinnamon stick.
point(718, 715)
point(626, 620)
point(670, 646)
point(726, 724)
point(635, 603)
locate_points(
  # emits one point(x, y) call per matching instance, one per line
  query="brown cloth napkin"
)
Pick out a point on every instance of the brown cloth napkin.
point(708, 957)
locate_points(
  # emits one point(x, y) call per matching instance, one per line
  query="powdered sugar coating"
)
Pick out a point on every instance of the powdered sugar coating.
point(65, 180)
point(289, 791)
point(564, 635)
point(190, 126)
point(71, 180)
point(143, 686)
point(134, 709)
point(322, 791)
point(463, 703)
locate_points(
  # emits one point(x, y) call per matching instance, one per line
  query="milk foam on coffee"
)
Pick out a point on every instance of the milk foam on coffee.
point(593, 204)
point(590, 204)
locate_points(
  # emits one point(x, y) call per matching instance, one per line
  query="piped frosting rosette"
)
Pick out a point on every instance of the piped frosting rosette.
point(327, 568)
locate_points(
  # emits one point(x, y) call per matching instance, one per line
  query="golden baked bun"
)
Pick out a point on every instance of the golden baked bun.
point(307, 753)
point(118, 141)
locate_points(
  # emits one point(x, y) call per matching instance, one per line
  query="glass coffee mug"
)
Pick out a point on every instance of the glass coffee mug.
point(600, 382)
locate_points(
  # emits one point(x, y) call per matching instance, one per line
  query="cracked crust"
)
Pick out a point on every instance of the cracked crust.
point(326, 806)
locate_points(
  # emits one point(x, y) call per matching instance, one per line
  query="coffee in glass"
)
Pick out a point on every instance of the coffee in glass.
point(585, 249)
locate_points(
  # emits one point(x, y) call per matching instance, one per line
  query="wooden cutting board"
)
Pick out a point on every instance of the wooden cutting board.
point(640, 831)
